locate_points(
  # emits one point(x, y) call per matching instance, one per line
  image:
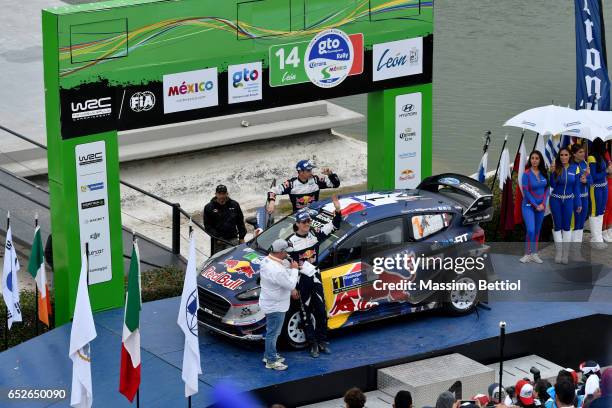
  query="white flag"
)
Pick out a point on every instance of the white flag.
point(541, 145)
point(10, 282)
point(504, 168)
point(188, 322)
point(83, 331)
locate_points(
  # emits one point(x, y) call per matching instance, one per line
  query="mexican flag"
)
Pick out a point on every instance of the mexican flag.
point(130, 349)
point(36, 267)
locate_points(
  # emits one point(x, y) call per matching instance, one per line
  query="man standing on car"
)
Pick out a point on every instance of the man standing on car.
point(223, 220)
point(305, 242)
point(278, 279)
point(303, 189)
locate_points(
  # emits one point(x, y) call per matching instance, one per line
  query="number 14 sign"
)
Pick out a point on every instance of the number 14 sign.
point(287, 61)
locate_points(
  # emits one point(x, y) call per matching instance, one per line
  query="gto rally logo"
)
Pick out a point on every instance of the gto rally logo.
point(245, 75)
point(142, 101)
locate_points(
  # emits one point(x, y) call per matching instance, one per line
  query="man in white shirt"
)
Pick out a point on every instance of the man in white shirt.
point(278, 279)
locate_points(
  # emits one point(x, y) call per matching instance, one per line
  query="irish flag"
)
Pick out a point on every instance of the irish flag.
point(36, 267)
point(130, 348)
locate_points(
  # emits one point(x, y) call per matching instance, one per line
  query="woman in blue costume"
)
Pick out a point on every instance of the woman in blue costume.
point(582, 170)
point(535, 195)
point(564, 200)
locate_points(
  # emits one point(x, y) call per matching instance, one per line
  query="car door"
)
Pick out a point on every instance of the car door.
point(348, 286)
point(431, 241)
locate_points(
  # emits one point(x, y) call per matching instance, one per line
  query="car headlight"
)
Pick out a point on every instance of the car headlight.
point(251, 294)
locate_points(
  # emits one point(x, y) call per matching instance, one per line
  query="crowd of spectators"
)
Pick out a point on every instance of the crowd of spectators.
point(587, 388)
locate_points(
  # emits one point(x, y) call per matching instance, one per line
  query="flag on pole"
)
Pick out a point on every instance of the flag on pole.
point(482, 168)
point(129, 380)
point(519, 167)
point(188, 322)
point(541, 145)
point(505, 186)
point(82, 333)
point(10, 281)
point(553, 145)
point(36, 267)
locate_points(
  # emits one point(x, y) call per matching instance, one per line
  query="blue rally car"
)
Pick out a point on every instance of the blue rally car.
point(436, 221)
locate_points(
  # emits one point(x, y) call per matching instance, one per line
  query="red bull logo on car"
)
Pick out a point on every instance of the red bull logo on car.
point(243, 267)
point(221, 278)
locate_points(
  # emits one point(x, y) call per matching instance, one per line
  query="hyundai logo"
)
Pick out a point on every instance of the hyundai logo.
point(408, 107)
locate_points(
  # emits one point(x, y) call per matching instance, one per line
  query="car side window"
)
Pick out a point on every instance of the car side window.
point(371, 237)
point(424, 225)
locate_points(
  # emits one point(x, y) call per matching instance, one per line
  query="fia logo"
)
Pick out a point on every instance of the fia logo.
point(142, 101)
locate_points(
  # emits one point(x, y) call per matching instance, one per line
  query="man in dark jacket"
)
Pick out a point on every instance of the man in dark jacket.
point(223, 220)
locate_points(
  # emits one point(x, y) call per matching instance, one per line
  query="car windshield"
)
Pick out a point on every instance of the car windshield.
point(284, 228)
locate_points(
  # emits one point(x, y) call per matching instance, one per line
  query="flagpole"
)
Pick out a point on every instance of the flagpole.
point(6, 328)
point(35, 291)
point(535, 142)
point(518, 149)
point(190, 232)
point(498, 162)
point(138, 390)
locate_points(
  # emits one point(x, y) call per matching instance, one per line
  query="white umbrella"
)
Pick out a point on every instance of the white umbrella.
point(591, 124)
point(545, 120)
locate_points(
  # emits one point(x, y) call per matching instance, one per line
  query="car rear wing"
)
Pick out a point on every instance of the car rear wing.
point(475, 198)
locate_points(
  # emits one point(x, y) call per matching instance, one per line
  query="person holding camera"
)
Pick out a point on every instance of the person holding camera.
point(278, 279)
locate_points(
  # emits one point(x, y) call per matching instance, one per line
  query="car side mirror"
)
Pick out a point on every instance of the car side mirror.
point(251, 221)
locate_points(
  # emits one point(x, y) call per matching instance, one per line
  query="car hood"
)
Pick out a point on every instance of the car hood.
point(232, 272)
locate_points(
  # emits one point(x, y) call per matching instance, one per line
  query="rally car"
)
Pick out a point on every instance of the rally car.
point(437, 220)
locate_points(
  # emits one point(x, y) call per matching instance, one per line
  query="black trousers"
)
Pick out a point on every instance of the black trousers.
point(313, 305)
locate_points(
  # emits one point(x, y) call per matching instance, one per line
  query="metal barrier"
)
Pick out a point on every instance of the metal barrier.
point(177, 211)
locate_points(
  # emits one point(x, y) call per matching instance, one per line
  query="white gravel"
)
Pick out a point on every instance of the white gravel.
point(247, 169)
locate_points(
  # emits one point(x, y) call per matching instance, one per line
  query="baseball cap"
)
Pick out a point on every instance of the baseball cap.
point(589, 367)
point(524, 392)
point(305, 165)
point(280, 245)
point(221, 189)
point(302, 216)
point(494, 392)
point(482, 399)
point(573, 373)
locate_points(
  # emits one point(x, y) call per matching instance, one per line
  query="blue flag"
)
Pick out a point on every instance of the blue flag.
point(592, 81)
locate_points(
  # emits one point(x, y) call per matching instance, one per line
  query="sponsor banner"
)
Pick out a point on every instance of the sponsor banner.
point(397, 59)
point(592, 81)
point(329, 58)
point(191, 90)
point(92, 197)
point(287, 61)
point(408, 116)
point(244, 82)
point(133, 107)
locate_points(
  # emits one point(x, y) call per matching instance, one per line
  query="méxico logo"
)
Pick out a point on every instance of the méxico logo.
point(329, 58)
